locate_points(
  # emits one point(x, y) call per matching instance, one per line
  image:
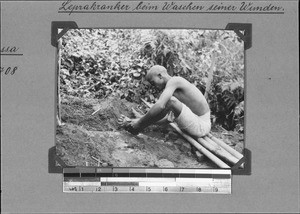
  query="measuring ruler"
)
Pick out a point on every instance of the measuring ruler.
point(137, 180)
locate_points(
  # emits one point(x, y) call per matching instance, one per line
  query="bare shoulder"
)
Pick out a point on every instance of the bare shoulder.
point(178, 82)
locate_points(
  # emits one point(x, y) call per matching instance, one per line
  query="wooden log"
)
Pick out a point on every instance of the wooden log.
point(205, 147)
point(202, 149)
point(217, 150)
point(147, 103)
point(226, 147)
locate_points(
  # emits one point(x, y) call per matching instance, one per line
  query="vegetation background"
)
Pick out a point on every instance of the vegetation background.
point(98, 63)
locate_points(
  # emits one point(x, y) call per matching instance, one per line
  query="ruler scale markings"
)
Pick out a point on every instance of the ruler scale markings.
point(221, 176)
point(88, 174)
point(72, 175)
point(157, 184)
point(186, 175)
point(138, 175)
point(123, 180)
point(104, 172)
point(81, 179)
point(170, 173)
point(140, 179)
point(121, 172)
point(155, 175)
point(124, 183)
point(138, 189)
point(136, 172)
point(200, 189)
point(193, 179)
point(82, 183)
point(153, 189)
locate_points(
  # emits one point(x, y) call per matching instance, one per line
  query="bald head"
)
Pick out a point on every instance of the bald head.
point(155, 71)
point(158, 76)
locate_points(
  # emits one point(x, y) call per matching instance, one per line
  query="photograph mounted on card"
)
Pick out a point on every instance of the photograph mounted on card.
point(150, 98)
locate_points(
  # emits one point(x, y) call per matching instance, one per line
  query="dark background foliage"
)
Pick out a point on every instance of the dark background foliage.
point(97, 63)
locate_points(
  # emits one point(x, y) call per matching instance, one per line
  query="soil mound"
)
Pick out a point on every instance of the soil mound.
point(97, 115)
point(91, 136)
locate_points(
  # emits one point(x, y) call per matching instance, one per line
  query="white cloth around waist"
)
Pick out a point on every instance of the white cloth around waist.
point(191, 123)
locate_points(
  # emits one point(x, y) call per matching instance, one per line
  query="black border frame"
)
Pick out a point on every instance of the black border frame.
point(66, 25)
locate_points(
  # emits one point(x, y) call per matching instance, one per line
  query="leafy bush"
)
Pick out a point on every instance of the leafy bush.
point(96, 63)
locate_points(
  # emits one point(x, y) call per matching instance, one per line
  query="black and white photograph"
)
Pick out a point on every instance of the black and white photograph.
point(149, 106)
point(153, 98)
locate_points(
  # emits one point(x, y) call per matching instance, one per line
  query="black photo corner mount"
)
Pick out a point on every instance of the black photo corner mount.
point(246, 37)
point(56, 165)
point(65, 25)
point(246, 170)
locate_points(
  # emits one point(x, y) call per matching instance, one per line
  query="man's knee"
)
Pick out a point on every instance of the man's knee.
point(171, 103)
point(174, 105)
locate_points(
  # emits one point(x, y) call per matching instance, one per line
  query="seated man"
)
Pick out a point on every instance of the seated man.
point(180, 102)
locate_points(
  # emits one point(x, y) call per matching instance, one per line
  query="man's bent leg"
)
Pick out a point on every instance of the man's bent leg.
point(174, 105)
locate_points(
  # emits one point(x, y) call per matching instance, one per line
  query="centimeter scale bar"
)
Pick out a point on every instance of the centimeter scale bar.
point(130, 180)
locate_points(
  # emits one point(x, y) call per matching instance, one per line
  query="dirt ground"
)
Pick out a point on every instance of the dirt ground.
point(91, 136)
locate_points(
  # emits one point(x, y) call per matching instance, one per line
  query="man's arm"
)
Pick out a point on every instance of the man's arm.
point(158, 110)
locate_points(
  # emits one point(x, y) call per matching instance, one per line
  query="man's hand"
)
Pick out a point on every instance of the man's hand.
point(131, 125)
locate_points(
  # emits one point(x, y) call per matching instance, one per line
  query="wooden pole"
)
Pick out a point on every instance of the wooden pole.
point(146, 103)
point(198, 146)
point(192, 141)
point(204, 146)
point(217, 150)
point(226, 147)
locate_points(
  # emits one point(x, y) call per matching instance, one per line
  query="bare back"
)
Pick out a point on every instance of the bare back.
point(190, 95)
